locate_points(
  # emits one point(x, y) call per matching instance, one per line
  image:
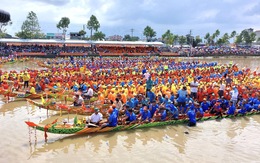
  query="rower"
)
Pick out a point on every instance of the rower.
point(95, 118)
point(145, 115)
point(231, 109)
point(192, 117)
point(130, 117)
point(112, 119)
point(78, 100)
point(32, 90)
point(89, 93)
point(160, 114)
point(198, 109)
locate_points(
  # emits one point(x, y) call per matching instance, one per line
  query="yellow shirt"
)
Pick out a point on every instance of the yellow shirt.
point(32, 90)
point(26, 77)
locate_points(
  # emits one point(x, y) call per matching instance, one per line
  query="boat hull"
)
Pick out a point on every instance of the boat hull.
point(78, 130)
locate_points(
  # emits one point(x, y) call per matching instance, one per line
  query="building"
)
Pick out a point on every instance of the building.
point(257, 37)
point(115, 38)
point(75, 36)
point(55, 36)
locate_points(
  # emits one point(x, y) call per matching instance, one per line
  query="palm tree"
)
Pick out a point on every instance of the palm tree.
point(232, 35)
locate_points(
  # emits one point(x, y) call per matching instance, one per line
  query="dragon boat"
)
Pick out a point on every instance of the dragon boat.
point(80, 110)
point(81, 128)
point(20, 95)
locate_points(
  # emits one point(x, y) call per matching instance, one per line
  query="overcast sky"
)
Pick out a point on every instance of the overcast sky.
point(120, 16)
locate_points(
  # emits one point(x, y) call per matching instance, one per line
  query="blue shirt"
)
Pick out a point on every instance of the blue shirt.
point(248, 107)
point(172, 98)
point(231, 110)
point(146, 115)
point(131, 117)
point(192, 115)
point(200, 110)
point(182, 95)
point(116, 112)
point(84, 87)
point(75, 88)
point(151, 96)
point(153, 108)
point(161, 100)
point(163, 115)
point(173, 109)
point(130, 104)
point(112, 120)
point(204, 106)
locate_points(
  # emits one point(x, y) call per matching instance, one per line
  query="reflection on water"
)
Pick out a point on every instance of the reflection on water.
point(229, 140)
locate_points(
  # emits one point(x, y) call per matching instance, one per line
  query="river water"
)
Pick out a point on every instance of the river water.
point(226, 140)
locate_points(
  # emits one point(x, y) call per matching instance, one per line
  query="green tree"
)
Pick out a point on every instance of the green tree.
point(225, 38)
point(149, 33)
point(208, 38)
point(129, 38)
point(93, 24)
point(30, 28)
point(182, 40)
point(239, 39)
point(217, 33)
point(82, 33)
point(63, 25)
point(3, 28)
point(252, 37)
point(248, 38)
point(99, 36)
point(196, 41)
point(168, 37)
point(232, 35)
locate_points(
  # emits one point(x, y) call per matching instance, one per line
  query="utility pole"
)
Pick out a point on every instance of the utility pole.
point(191, 42)
point(132, 32)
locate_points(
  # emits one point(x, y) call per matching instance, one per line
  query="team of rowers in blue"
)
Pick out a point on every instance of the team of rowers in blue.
point(164, 108)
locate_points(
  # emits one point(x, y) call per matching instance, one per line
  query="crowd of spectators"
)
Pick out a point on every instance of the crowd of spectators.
point(212, 50)
point(113, 49)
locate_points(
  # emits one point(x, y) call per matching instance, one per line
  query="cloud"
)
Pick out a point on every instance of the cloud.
point(254, 9)
point(119, 16)
point(53, 2)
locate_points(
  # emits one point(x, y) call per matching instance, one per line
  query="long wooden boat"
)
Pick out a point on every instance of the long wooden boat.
point(21, 94)
point(81, 110)
point(78, 129)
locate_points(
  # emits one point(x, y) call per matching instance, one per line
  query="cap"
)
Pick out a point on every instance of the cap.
point(96, 109)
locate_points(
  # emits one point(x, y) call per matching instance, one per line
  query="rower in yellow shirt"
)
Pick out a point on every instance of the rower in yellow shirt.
point(32, 90)
point(26, 79)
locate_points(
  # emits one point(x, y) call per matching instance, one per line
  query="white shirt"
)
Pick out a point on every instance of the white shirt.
point(194, 86)
point(90, 92)
point(79, 101)
point(234, 94)
point(147, 75)
point(222, 87)
point(94, 118)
